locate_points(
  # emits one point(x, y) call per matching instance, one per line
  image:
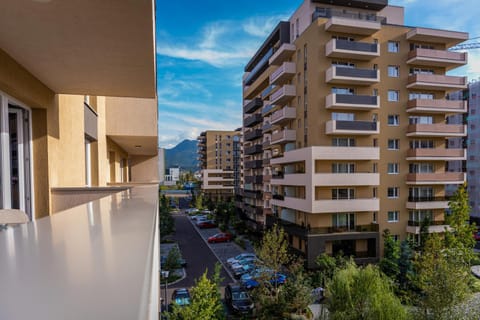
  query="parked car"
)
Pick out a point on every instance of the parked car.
point(255, 273)
point(181, 297)
point(204, 224)
point(243, 269)
point(238, 300)
point(191, 211)
point(239, 257)
point(476, 235)
point(277, 279)
point(199, 217)
point(245, 261)
point(220, 237)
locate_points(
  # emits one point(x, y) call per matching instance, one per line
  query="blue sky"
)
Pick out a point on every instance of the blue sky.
point(202, 47)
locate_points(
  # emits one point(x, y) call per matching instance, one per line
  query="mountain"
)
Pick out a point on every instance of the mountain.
point(183, 155)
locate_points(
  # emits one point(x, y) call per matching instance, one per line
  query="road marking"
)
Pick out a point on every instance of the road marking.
point(213, 251)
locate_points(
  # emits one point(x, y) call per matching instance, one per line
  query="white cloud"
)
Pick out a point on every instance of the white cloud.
point(262, 26)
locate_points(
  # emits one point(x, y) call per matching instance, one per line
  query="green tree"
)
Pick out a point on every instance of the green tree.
point(327, 266)
point(440, 275)
point(167, 223)
point(391, 254)
point(199, 201)
point(206, 303)
point(405, 267)
point(173, 259)
point(362, 293)
point(296, 293)
point(273, 252)
point(460, 239)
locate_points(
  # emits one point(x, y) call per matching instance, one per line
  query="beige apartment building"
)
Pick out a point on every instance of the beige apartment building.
point(346, 127)
point(218, 161)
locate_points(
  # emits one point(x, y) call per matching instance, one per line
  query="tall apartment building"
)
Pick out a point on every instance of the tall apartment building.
point(345, 131)
point(473, 148)
point(79, 147)
point(218, 158)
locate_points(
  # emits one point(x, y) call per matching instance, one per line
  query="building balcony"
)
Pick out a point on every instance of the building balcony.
point(252, 120)
point(436, 82)
point(353, 76)
point(284, 114)
point(267, 127)
point(257, 148)
point(289, 179)
point(435, 178)
point(86, 247)
point(437, 154)
point(328, 153)
point(283, 95)
point(346, 179)
point(436, 106)
point(283, 136)
point(434, 227)
point(267, 91)
point(351, 102)
point(254, 179)
point(356, 24)
point(253, 164)
point(341, 127)
point(253, 194)
point(284, 73)
point(282, 54)
point(252, 134)
point(449, 38)
point(347, 205)
point(251, 106)
point(266, 144)
point(427, 203)
point(267, 109)
point(253, 211)
point(437, 58)
point(436, 130)
point(345, 49)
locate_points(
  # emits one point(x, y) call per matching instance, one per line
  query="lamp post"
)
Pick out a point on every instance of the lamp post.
point(165, 277)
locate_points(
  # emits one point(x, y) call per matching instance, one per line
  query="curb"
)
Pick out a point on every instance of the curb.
point(214, 253)
point(178, 280)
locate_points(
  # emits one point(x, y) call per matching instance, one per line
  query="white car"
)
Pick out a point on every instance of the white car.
point(240, 257)
point(199, 217)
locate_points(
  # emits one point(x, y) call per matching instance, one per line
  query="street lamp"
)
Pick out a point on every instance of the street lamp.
point(165, 277)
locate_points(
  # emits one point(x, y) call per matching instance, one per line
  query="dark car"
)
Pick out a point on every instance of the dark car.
point(220, 237)
point(181, 297)
point(238, 300)
point(274, 280)
point(476, 235)
point(206, 224)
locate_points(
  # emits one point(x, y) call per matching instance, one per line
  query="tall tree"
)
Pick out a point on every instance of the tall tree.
point(405, 266)
point(199, 201)
point(460, 238)
point(167, 223)
point(391, 254)
point(206, 303)
point(362, 293)
point(440, 275)
point(297, 292)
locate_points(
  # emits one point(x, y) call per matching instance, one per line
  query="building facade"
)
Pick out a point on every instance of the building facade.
point(473, 148)
point(218, 153)
point(345, 127)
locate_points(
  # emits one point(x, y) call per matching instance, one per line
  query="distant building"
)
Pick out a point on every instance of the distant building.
point(346, 128)
point(473, 149)
point(218, 158)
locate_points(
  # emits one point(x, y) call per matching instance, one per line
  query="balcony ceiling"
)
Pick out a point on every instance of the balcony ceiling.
point(83, 46)
point(139, 146)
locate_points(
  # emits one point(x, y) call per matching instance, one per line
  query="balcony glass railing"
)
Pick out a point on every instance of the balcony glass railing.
point(253, 75)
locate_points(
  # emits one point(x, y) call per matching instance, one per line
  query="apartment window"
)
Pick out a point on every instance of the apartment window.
point(374, 192)
point(343, 194)
point(421, 193)
point(420, 120)
point(424, 96)
point(15, 182)
point(343, 142)
point(375, 167)
point(394, 71)
point(349, 91)
point(393, 46)
point(393, 144)
point(393, 168)
point(343, 220)
point(375, 142)
point(393, 95)
point(420, 215)
point(393, 216)
point(392, 192)
point(344, 64)
point(422, 144)
point(396, 237)
point(343, 116)
point(343, 167)
point(421, 167)
point(374, 217)
point(421, 71)
point(393, 119)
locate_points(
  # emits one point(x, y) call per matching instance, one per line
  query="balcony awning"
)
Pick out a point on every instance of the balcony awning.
point(91, 47)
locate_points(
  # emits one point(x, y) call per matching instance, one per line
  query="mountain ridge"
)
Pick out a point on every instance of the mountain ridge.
point(183, 155)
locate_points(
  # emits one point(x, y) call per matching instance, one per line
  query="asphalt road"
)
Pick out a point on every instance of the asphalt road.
point(196, 252)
